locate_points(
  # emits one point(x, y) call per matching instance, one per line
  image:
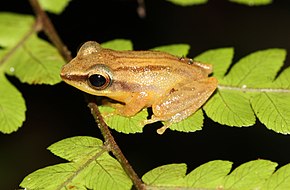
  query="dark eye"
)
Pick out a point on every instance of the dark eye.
point(99, 81)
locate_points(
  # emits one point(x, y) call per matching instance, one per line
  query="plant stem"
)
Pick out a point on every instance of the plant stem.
point(49, 30)
point(141, 9)
point(46, 25)
point(244, 88)
point(114, 147)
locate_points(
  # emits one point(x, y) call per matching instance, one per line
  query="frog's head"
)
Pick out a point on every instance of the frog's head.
point(88, 71)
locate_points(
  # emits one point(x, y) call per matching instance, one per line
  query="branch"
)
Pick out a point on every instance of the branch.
point(50, 31)
point(141, 9)
point(109, 139)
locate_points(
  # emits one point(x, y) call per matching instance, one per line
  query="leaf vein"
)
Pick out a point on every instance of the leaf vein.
point(229, 108)
point(277, 110)
point(81, 168)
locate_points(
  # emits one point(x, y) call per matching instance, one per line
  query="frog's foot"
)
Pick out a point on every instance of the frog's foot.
point(154, 119)
point(162, 129)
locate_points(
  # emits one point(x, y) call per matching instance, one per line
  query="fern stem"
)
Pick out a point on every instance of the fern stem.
point(245, 89)
point(141, 9)
point(113, 145)
point(49, 30)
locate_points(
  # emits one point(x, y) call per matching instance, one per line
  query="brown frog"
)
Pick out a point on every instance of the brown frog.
point(174, 87)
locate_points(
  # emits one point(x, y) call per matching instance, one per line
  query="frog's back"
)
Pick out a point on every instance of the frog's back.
point(151, 70)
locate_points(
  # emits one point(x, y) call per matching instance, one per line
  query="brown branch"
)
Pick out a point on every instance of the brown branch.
point(49, 30)
point(109, 139)
point(141, 9)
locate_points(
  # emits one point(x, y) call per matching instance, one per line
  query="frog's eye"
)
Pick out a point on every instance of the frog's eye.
point(99, 81)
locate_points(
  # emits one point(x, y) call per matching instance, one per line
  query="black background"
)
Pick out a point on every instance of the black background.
point(58, 112)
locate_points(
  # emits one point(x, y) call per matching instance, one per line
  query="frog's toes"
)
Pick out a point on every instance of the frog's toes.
point(147, 121)
point(162, 129)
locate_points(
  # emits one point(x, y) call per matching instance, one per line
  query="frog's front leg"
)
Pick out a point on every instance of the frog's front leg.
point(182, 101)
point(133, 104)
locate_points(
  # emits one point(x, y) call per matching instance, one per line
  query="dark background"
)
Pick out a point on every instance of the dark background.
point(58, 112)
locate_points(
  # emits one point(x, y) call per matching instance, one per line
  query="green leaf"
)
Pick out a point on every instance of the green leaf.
point(118, 44)
point(220, 58)
point(187, 2)
point(280, 180)
point(51, 177)
point(175, 49)
point(35, 62)
point(190, 124)
point(54, 6)
point(215, 175)
point(13, 27)
point(24, 55)
point(252, 2)
point(27, 57)
point(230, 108)
point(208, 175)
point(124, 124)
point(283, 80)
point(91, 168)
point(81, 146)
point(106, 174)
point(12, 106)
point(167, 175)
point(250, 70)
point(272, 109)
point(248, 90)
point(251, 175)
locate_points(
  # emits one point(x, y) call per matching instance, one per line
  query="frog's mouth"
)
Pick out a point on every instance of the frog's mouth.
point(76, 81)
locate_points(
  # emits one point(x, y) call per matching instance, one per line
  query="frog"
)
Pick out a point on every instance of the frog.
point(174, 87)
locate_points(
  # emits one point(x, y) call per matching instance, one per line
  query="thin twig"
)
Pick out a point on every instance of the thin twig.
point(113, 145)
point(141, 9)
point(49, 30)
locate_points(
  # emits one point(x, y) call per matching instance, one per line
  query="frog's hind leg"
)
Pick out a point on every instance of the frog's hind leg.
point(182, 101)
